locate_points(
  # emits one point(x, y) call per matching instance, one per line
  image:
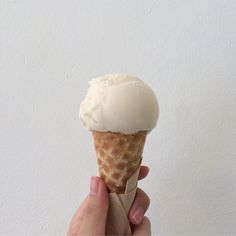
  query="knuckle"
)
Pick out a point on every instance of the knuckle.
point(90, 208)
point(146, 221)
point(144, 198)
point(94, 208)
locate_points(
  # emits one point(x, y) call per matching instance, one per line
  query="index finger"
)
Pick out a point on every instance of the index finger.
point(143, 172)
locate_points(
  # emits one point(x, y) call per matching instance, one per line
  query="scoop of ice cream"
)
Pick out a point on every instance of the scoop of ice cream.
point(119, 103)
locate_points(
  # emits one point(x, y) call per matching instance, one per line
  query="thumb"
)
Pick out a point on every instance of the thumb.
point(95, 211)
point(144, 228)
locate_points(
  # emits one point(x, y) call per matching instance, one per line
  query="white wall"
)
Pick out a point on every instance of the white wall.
point(184, 49)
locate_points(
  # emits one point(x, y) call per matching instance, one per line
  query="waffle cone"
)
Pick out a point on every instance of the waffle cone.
point(118, 156)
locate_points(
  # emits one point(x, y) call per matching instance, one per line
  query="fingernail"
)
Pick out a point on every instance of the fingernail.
point(94, 183)
point(138, 215)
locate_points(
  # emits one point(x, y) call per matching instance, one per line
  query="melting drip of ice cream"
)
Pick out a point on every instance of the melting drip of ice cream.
point(119, 103)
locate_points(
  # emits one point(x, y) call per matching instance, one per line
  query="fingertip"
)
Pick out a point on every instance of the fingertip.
point(97, 186)
point(141, 201)
point(137, 216)
point(94, 185)
point(144, 170)
point(102, 186)
point(98, 194)
point(103, 194)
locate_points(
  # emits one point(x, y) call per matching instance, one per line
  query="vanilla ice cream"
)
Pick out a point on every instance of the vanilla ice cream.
point(119, 103)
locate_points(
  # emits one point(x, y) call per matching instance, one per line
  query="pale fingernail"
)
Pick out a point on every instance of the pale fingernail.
point(138, 215)
point(94, 183)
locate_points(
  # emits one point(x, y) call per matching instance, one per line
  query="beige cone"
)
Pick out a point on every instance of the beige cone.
point(118, 156)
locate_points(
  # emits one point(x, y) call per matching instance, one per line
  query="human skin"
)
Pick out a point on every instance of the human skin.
point(90, 218)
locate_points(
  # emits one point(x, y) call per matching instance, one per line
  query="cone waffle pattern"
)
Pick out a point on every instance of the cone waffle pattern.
point(118, 156)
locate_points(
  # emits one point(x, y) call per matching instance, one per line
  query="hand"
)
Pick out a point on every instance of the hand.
point(90, 218)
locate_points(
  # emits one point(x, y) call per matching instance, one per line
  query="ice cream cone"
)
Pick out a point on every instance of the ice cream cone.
point(120, 110)
point(118, 157)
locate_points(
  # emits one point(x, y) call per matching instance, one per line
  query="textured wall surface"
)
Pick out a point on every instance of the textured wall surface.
point(185, 50)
